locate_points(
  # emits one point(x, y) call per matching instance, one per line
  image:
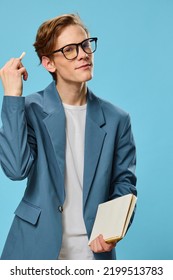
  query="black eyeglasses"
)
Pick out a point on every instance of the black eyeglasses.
point(71, 51)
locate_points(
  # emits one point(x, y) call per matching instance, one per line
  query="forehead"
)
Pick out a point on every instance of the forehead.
point(71, 34)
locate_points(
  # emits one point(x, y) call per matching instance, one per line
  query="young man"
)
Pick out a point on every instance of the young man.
point(75, 149)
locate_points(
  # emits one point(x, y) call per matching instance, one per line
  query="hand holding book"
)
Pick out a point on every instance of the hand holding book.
point(98, 245)
point(113, 218)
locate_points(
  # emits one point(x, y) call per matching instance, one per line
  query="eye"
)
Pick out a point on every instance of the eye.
point(86, 44)
point(69, 49)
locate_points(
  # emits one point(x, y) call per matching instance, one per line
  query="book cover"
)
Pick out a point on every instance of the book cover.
point(113, 217)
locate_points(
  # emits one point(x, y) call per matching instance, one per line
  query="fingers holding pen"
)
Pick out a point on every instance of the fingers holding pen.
point(17, 64)
point(14, 63)
point(23, 71)
point(11, 75)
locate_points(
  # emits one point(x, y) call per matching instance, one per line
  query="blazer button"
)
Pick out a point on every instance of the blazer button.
point(60, 208)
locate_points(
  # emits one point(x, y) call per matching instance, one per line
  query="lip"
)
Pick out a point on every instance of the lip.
point(84, 66)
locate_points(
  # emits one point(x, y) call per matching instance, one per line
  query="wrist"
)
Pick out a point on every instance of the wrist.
point(17, 94)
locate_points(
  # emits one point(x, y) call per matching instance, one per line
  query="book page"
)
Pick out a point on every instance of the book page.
point(131, 209)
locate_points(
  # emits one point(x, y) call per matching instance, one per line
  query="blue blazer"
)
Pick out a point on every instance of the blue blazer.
point(32, 146)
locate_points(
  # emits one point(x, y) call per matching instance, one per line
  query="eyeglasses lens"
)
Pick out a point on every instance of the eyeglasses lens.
point(70, 52)
point(88, 46)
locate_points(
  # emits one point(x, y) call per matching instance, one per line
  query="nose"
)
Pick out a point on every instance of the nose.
point(81, 53)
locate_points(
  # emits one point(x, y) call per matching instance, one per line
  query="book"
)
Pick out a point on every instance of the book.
point(113, 217)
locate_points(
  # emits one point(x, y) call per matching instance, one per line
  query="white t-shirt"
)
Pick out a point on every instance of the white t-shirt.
point(75, 239)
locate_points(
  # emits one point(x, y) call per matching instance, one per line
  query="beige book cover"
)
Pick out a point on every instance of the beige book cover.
point(113, 217)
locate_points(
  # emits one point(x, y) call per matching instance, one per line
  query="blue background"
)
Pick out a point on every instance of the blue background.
point(134, 70)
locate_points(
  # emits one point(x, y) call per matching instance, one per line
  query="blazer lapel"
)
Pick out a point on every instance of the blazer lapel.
point(55, 123)
point(94, 133)
point(94, 139)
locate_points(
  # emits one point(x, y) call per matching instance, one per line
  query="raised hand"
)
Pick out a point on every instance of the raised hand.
point(11, 75)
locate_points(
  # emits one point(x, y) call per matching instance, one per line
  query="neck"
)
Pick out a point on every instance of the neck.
point(72, 94)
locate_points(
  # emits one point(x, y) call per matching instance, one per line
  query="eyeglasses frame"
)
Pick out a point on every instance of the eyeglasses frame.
point(77, 47)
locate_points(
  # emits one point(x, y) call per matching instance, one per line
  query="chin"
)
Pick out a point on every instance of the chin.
point(87, 78)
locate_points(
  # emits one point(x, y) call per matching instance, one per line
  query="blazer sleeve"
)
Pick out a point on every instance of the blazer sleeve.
point(17, 139)
point(124, 165)
point(123, 179)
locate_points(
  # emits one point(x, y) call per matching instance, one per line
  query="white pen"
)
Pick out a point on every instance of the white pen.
point(22, 55)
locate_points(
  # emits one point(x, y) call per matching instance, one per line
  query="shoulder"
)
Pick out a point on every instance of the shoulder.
point(110, 110)
point(34, 99)
point(46, 99)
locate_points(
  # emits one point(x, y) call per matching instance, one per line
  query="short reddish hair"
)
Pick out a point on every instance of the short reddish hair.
point(49, 31)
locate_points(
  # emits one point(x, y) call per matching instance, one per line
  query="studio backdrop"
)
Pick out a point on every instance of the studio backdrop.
point(133, 70)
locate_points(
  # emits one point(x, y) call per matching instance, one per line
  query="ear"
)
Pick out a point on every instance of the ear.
point(48, 64)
